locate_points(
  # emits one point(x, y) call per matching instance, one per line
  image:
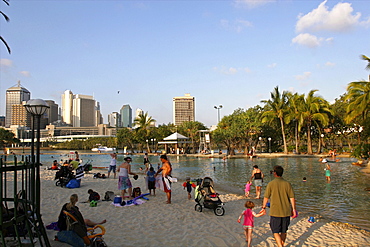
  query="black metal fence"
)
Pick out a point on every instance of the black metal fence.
point(20, 218)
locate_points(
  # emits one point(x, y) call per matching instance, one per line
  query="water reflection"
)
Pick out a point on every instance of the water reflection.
point(342, 199)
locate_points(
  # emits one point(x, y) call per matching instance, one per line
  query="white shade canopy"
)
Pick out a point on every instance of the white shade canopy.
point(36, 107)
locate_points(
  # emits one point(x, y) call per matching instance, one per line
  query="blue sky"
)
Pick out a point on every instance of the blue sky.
point(222, 52)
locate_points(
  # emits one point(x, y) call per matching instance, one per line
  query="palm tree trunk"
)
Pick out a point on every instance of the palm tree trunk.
point(296, 138)
point(283, 132)
point(309, 141)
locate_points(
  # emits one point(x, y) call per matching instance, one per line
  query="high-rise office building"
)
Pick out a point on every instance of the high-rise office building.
point(15, 96)
point(52, 112)
point(126, 116)
point(114, 119)
point(67, 107)
point(80, 110)
point(183, 109)
point(83, 114)
point(20, 116)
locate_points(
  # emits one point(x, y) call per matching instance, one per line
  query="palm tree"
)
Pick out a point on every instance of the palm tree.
point(6, 19)
point(358, 95)
point(314, 110)
point(277, 109)
point(368, 61)
point(294, 114)
point(143, 130)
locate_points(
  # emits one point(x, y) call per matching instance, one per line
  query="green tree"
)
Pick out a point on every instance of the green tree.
point(294, 115)
point(6, 19)
point(277, 108)
point(7, 138)
point(125, 138)
point(190, 129)
point(358, 96)
point(368, 61)
point(144, 123)
point(314, 110)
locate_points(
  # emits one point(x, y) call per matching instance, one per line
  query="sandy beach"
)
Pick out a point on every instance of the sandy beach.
point(155, 223)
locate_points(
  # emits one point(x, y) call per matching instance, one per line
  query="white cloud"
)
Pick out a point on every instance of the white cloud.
point(6, 63)
point(25, 73)
point(329, 64)
point(366, 23)
point(273, 65)
point(251, 3)
point(231, 70)
point(339, 19)
point(303, 77)
point(237, 25)
point(307, 39)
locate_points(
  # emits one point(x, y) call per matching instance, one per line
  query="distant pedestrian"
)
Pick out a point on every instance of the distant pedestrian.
point(327, 172)
point(248, 223)
point(188, 185)
point(151, 180)
point(113, 164)
point(247, 188)
point(258, 176)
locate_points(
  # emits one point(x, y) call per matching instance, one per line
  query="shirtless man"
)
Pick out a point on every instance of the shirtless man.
point(166, 170)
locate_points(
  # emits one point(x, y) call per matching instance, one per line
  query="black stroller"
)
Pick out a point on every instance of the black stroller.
point(206, 196)
point(64, 175)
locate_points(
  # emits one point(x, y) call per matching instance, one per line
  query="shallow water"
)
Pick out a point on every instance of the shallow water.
point(343, 199)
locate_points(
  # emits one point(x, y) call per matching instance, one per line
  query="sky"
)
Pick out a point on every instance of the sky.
point(144, 53)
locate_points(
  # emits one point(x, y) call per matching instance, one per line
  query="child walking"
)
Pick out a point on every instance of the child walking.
point(248, 223)
point(151, 180)
point(247, 188)
point(188, 185)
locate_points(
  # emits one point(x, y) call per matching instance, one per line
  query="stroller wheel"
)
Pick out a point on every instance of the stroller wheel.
point(57, 183)
point(219, 211)
point(198, 207)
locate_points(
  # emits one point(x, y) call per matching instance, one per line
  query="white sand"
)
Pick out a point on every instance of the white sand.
point(155, 223)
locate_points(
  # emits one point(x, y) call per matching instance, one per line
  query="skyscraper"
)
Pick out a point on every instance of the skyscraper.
point(83, 114)
point(52, 112)
point(183, 109)
point(126, 116)
point(114, 119)
point(67, 106)
point(15, 96)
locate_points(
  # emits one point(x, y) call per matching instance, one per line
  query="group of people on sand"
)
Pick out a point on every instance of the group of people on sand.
point(280, 196)
point(124, 170)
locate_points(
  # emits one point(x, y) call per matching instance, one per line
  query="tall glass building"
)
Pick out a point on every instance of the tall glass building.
point(126, 116)
point(14, 96)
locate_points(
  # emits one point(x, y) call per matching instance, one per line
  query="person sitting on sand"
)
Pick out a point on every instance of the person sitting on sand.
point(54, 166)
point(93, 195)
point(74, 210)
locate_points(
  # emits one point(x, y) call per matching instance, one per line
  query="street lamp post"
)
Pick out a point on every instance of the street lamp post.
point(269, 144)
point(218, 112)
point(322, 143)
point(37, 108)
point(260, 139)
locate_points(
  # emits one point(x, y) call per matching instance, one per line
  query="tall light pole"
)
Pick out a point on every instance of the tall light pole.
point(269, 144)
point(37, 108)
point(218, 112)
point(260, 139)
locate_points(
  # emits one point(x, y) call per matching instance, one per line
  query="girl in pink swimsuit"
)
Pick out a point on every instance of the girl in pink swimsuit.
point(249, 221)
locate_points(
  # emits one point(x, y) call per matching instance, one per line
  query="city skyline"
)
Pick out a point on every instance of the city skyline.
point(229, 53)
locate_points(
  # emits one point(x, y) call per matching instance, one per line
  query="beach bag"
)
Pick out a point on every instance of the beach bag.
point(73, 183)
point(109, 196)
point(117, 199)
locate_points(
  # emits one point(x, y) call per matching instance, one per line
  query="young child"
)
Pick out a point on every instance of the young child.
point(249, 221)
point(151, 180)
point(247, 188)
point(188, 185)
point(93, 195)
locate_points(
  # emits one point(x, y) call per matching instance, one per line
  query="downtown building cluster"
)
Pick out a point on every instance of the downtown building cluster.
point(79, 114)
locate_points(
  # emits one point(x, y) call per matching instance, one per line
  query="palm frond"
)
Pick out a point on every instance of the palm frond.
point(6, 44)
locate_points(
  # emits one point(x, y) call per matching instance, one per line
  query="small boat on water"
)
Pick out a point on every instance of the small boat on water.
point(103, 149)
